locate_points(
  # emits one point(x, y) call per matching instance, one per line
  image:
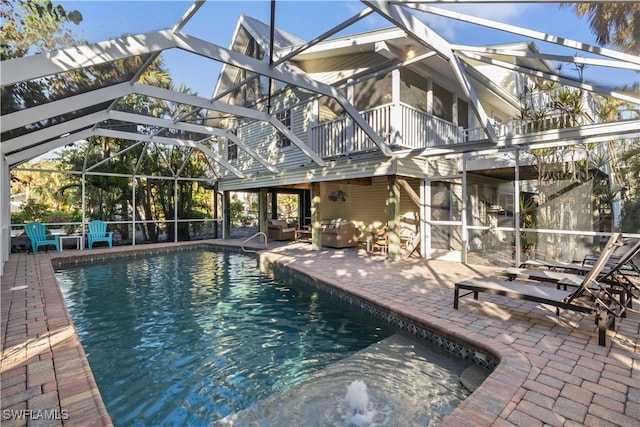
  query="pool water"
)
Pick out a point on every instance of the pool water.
point(192, 337)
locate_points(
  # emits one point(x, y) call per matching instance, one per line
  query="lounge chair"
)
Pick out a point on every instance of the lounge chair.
point(599, 302)
point(620, 273)
point(625, 273)
point(567, 267)
point(555, 266)
point(98, 233)
point(37, 233)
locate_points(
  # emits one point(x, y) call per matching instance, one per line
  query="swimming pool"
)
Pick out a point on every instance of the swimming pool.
point(192, 337)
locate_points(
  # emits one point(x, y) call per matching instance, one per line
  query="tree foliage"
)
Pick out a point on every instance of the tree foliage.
point(35, 26)
point(613, 23)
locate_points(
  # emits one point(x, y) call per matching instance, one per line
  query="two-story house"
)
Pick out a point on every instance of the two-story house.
point(479, 153)
point(406, 175)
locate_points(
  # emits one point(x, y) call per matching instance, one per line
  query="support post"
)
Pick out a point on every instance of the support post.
point(134, 185)
point(393, 218)
point(226, 215)
point(463, 213)
point(216, 217)
point(175, 210)
point(263, 221)
point(274, 205)
point(84, 209)
point(516, 210)
point(316, 231)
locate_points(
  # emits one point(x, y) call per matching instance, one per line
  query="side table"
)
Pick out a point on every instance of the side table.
point(78, 240)
point(303, 235)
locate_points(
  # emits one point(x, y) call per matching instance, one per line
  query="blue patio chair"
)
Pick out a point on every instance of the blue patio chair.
point(37, 233)
point(98, 233)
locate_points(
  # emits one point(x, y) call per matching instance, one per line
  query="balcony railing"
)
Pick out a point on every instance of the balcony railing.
point(402, 126)
point(414, 129)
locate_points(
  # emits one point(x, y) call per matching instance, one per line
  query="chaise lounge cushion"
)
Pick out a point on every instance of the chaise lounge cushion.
point(337, 233)
point(279, 230)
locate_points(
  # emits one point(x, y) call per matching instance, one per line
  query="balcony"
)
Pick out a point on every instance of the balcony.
point(404, 127)
point(415, 129)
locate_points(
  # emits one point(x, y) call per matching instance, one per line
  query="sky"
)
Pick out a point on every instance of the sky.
point(216, 21)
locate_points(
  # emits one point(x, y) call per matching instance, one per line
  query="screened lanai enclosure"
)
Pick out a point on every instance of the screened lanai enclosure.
point(478, 152)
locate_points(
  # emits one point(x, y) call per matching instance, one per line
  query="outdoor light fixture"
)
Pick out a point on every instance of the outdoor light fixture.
point(409, 53)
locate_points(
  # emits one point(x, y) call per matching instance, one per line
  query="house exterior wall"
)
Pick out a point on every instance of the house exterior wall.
point(366, 206)
point(373, 165)
point(420, 91)
point(263, 138)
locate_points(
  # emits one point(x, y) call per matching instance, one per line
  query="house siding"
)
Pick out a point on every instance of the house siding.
point(262, 138)
point(365, 205)
point(375, 165)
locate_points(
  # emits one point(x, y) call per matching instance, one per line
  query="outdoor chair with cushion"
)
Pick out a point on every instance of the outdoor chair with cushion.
point(98, 233)
point(380, 241)
point(279, 229)
point(597, 299)
point(37, 233)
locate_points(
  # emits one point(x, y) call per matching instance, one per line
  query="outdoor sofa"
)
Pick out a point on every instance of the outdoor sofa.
point(338, 233)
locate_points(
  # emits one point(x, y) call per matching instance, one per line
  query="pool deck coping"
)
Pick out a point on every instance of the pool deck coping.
point(551, 370)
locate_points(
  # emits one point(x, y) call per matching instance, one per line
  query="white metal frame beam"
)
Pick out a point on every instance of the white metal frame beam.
point(60, 61)
point(284, 73)
point(57, 131)
point(64, 106)
point(190, 127)
point(552, 77)
point(399, 17)
point(35, 66)
point(535, 35)
point(197, 101)
point(85, 100)
point(574, 59)
point(292, 52)
point(34, 151)
point(170, 141)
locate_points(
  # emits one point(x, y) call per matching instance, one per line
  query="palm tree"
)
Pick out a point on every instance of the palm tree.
point(614, 23)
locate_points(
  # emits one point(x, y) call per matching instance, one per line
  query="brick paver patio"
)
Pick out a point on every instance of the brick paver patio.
point(551, 371)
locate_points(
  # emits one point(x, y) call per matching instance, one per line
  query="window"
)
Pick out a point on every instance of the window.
point(506, 202)
point(285, 118)
point(232, 148)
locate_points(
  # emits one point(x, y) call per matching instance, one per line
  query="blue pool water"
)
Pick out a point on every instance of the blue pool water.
point(188, 338)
